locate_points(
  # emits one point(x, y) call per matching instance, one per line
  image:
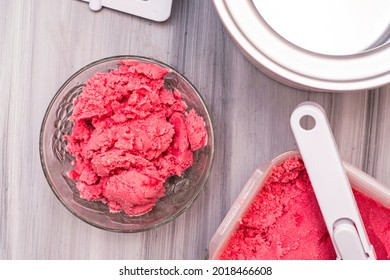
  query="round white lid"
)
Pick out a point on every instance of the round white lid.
point(286, 47)
point(334, 27)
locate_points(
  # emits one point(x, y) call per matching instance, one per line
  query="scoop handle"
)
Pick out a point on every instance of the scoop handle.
point(330, 183)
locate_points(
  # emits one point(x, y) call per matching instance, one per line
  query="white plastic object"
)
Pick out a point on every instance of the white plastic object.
point(157, 10)
point(330, 184)
point(95, 5)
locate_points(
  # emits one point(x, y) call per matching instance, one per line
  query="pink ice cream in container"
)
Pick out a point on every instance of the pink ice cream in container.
point(307, 204)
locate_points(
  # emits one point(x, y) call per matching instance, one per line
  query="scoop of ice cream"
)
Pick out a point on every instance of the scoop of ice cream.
point(130, 134)
point(197, 134)
point(285, 222)
point(133, 192)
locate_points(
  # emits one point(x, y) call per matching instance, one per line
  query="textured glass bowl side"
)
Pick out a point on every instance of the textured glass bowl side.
point(56, 162)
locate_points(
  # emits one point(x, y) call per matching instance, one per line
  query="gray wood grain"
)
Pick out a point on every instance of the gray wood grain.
point(43, 42)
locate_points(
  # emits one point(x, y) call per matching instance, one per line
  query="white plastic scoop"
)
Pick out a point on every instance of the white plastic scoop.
point(330, 184)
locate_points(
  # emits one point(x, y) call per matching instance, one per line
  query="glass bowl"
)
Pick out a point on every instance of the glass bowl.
point(180, 192)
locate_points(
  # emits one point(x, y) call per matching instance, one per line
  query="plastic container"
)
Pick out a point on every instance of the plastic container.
point(359, 180)
point(326, 45)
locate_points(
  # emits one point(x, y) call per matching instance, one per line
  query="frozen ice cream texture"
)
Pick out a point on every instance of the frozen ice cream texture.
point(285, 222)
point(130, 134)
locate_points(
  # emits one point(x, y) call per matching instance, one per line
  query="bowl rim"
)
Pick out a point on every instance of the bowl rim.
point(50, 107)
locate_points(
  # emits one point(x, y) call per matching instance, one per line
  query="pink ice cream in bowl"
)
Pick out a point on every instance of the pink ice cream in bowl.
point(127, 144)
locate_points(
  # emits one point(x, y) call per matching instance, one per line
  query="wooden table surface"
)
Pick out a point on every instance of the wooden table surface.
point(43, 42)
